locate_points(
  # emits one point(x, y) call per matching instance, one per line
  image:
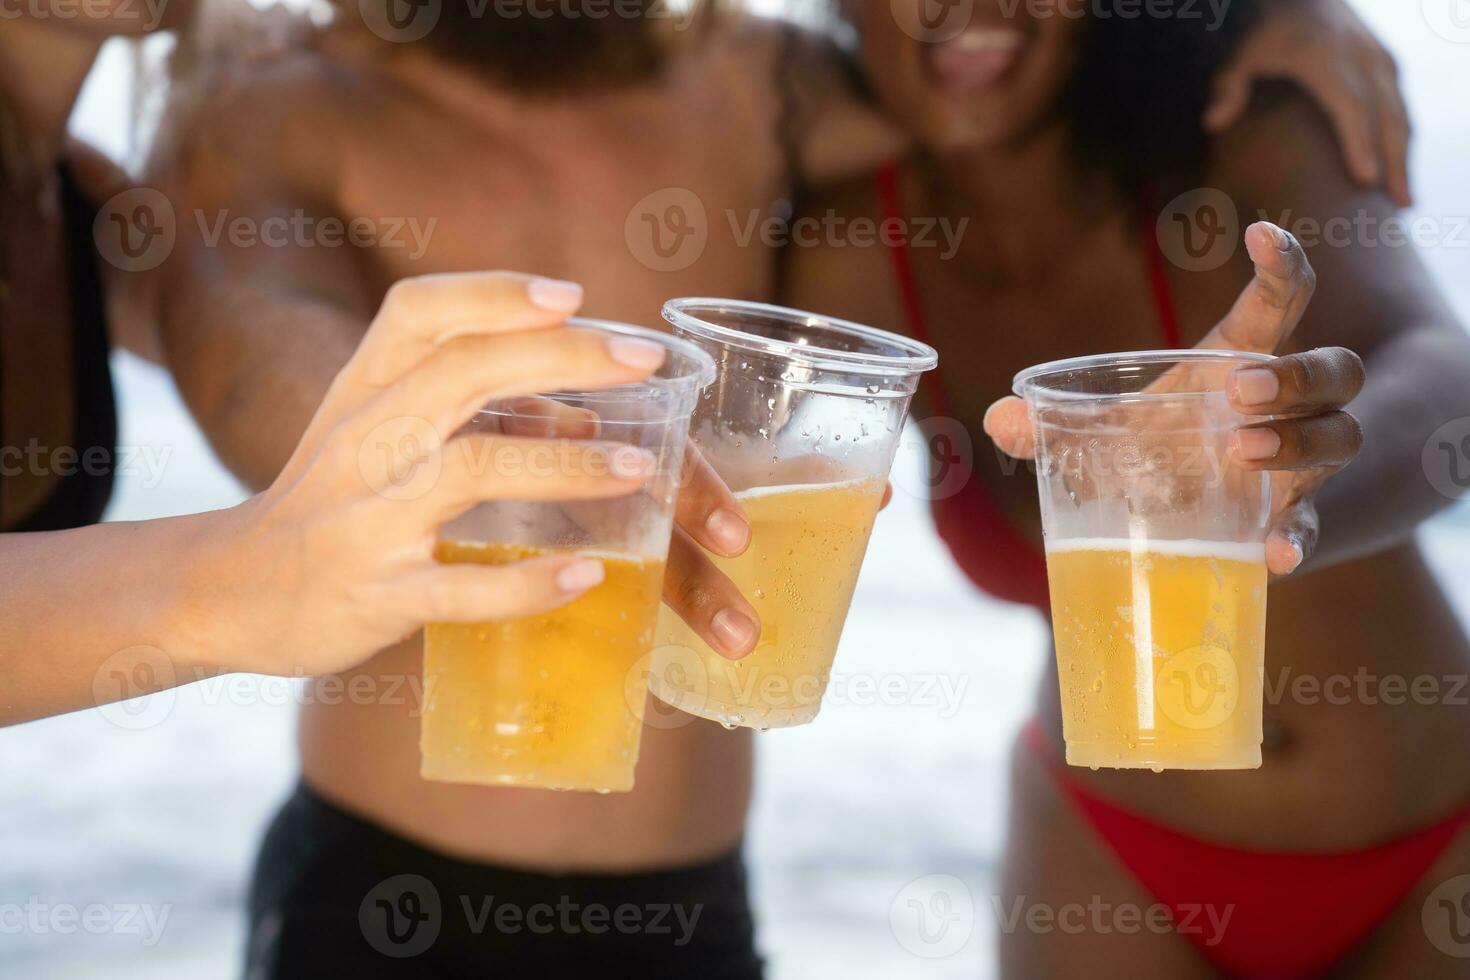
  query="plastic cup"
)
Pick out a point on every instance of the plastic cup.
point(540, 701)
point(802, 422)
point(1155, 549)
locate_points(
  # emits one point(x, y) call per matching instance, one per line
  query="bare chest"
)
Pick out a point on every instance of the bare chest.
point(986, 330)
point(635, 221)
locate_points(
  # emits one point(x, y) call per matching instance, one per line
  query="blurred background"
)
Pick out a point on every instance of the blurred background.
point(162, 806)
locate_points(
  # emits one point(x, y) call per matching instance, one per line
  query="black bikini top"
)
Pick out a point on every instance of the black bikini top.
point(80, 495)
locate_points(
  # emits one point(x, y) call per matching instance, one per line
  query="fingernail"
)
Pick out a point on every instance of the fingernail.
point(734, 630)
point(635, 353)
point(1283, 240)
point(631, 461)
point(1257, 444)
point(1256, 386)
point(1297, 556)
point(728, 530)
point(556, 295)
point(581, 574)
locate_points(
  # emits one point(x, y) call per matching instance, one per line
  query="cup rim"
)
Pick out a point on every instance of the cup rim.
point(683, 314)
point(1026, 381)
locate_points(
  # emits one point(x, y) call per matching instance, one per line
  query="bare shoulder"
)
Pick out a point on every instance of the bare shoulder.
point(1282, 164)
point(1283, 155)
point(287, 121)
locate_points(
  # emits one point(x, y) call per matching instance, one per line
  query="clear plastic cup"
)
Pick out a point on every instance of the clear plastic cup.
point(540, 701)
point(801, 422)
point(1155, 549)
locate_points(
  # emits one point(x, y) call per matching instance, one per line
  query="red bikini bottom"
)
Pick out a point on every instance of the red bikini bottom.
point(1291, 916)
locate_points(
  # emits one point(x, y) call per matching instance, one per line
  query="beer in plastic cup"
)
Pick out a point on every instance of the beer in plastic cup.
point(541, 701)
point(802, 422)
point(1155, 550)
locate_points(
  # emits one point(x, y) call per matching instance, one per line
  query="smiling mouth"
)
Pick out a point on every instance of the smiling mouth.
point(976, 59)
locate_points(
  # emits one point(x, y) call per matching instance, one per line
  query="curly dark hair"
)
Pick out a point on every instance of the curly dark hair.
point(8, 150)
point(558, 46)
point(1134, 104)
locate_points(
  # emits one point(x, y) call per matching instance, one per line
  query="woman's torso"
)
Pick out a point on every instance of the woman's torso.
point(1377, 768)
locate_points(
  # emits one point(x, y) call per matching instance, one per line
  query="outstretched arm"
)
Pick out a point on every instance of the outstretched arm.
point(1324, 47)
point(321, 570)
point(1376, 305)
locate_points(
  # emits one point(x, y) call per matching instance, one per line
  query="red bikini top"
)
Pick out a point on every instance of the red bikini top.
point(989, 550)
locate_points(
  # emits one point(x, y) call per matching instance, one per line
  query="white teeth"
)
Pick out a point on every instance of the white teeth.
point(987, 41)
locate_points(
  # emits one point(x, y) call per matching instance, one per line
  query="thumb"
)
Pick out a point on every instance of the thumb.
point(1271, 306)
point(1008, 424)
